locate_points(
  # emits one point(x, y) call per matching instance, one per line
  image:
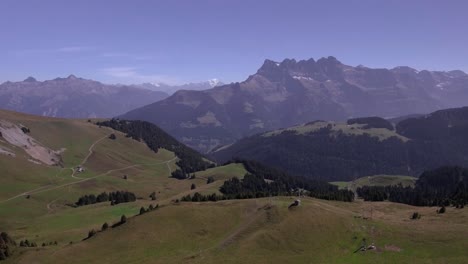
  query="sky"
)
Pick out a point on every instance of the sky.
point(177, 41)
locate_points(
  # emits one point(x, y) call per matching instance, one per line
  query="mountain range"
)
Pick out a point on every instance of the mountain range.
point(282, 94)
point(74, 97)
point(171, 89)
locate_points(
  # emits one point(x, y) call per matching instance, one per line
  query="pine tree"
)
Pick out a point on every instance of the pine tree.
point(142, 210)
point(91, 233)
point(123, 219)
point(441, 210)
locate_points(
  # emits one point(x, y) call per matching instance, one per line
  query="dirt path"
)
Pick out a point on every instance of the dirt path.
point(250, 219)
point(80, 179)
point(329, 207)
point(49, 208)
point(25, 193)
point(90, 152)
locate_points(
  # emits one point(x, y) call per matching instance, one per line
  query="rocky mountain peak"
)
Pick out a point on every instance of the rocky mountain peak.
point(30, 79)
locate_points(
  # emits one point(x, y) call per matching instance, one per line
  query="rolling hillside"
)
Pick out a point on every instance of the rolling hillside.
point(37, 204)
point(35, 197)
point(265, 231)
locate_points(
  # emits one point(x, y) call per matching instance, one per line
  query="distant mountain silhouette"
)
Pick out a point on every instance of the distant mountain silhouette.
point(73, 97)
point(290, 92)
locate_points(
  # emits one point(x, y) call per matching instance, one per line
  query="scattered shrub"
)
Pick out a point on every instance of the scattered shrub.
point(415, 216)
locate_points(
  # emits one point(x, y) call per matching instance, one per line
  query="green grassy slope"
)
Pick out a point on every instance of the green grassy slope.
point(45, 216)
point(376, 180)
point(236, 231)
point(266, 231)
point(349, 129)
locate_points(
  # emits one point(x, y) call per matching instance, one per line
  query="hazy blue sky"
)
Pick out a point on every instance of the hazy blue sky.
point(180, 41)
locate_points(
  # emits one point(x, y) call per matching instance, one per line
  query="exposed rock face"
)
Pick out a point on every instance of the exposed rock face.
point(73, 97)
point(14, 135)
point(290, 92)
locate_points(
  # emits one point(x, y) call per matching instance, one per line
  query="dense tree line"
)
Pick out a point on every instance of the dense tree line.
point(263, 181)
point(113, 197)
point(197, 197)
point(189, 160)
point(440, 187)
point(6, 245)
point(283, 183)
point(44, 244)
point(27, 243)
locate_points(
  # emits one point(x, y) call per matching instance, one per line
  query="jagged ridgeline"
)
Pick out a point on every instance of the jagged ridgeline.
point(189, 160)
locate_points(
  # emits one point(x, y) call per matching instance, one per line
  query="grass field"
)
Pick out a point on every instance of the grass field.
point(354, 129)
point(265, 231)
point(237, 231)
point(46, 216)
point(376, 180)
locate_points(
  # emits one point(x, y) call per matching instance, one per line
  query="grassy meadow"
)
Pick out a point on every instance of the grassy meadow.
point(35, 199)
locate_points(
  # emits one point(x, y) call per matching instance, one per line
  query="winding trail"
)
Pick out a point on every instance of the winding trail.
point(81, 180)
point(90, 152)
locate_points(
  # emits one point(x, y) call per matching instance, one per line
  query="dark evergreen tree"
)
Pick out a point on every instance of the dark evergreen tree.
point(441, 210)
point(91, 233)
point(123, 219)
point(142, 210)
point(210, 180)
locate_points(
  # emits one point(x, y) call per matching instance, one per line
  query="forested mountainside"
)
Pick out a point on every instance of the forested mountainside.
point(367, 146)
point(155, 138)
point(444, 186)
